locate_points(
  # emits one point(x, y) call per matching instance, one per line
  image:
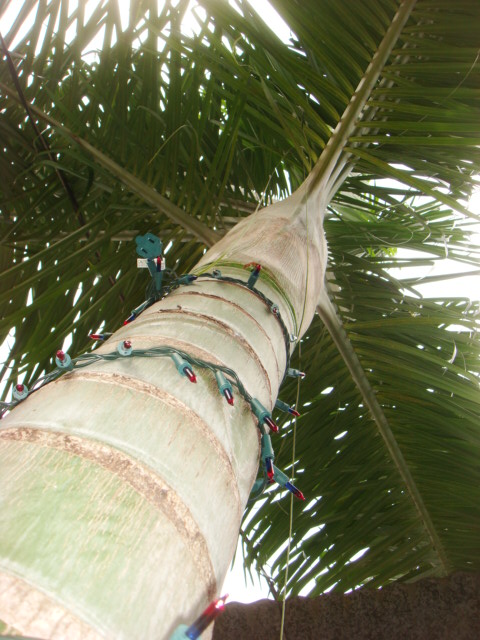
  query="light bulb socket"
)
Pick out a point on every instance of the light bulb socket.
point(283, 406)
point(260, 411)
point(254, 275)
point(266, 449)
point(224, 386)
point(63, 361)
point(183, 367)
point(124, 348)
point(20, 392)
point(295, 373)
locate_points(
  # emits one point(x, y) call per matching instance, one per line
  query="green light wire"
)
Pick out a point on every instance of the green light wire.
point(269, 303)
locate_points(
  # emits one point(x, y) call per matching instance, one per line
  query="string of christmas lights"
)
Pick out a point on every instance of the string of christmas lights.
point(185, 363)
point(216, 275)
point(149, 248)
point(250, 284)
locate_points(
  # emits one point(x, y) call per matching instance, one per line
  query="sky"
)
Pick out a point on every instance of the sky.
point(247, 589)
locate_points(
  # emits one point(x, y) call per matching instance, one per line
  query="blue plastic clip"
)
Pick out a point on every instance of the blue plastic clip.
point(150, 247)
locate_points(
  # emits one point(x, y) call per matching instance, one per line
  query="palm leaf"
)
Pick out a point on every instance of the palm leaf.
point(186, 134)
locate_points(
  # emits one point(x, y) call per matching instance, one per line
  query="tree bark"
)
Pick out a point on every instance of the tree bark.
point(122, 484)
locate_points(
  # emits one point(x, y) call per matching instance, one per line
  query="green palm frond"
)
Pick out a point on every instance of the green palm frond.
point(184, 135)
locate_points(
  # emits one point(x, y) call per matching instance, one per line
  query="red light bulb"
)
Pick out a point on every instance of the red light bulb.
point(203, 621)
point(61, 355)
point(190, 375)
point(256, 267)
point(99, 336)
point(293, 489)
point(20, 392)
point(269, 469)
point(228, 396)
point(271, 424)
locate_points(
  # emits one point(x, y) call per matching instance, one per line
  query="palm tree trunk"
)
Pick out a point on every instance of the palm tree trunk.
point(122, 484)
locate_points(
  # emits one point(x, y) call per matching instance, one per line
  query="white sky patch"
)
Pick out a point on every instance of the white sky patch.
point(7, 19)
point(78, 293)
point(272, 19)
point(467, 286)
point(67, 343)
point(191, 24)
point(330, 587)
point(311, 583)
point(241, 586)
point(313, 531)
point(359, 554)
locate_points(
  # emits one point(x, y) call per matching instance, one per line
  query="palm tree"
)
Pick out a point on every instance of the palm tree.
point(123, 484)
